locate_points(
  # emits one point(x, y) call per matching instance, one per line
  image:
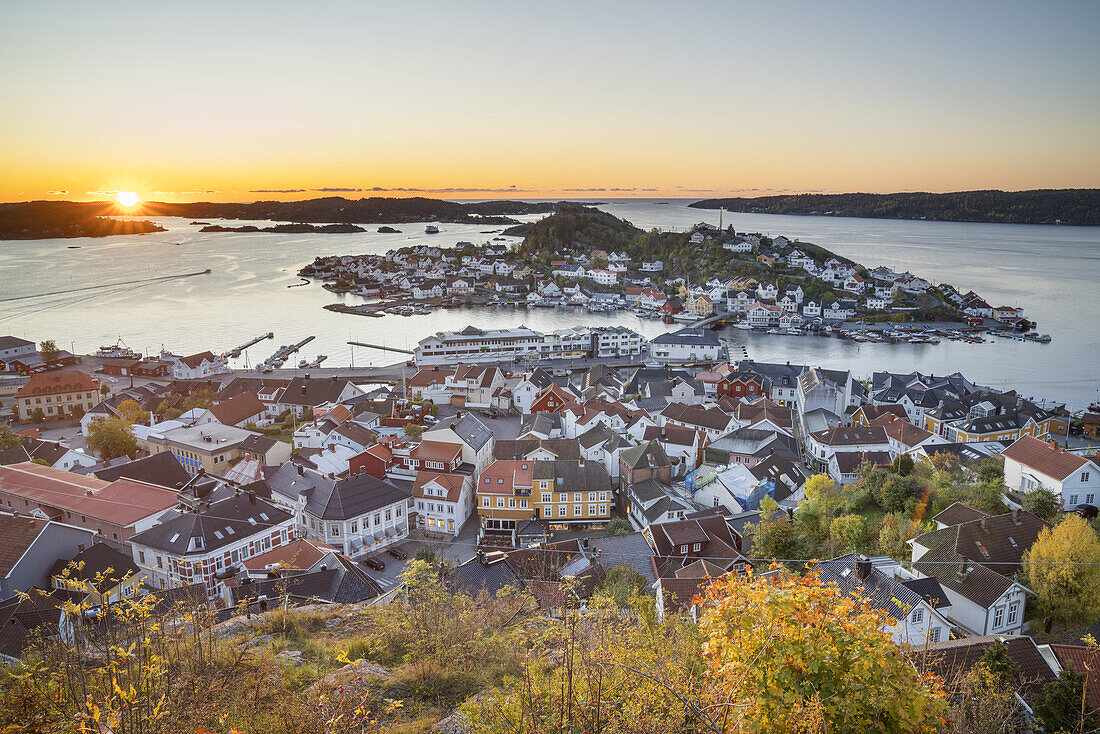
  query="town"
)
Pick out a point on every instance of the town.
point(662, 460)
point(759, 283)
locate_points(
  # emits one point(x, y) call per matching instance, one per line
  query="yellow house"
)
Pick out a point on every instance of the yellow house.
point(765, 259)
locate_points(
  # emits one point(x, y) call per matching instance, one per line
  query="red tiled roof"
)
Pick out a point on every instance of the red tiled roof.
point(501, 477)
point(453, 483)
point(437, 451)
point(121, 502)
point(16, 535)
point(52, 383)
point(195, 360)
point(237, 408)
point(298, 553)
point(1044, 458)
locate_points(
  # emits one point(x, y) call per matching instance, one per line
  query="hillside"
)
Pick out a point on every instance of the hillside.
point(37, 220)
point(1039, 206)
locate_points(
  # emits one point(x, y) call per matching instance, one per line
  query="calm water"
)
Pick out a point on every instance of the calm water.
point(1051, 271)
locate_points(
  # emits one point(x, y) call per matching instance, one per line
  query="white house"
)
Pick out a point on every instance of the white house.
point(444, 502)
point(686, 345)
point(1031, 463)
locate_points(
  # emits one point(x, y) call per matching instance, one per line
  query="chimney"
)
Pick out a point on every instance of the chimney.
point(301, 470)
point(962, 572)
point(984, 524)
point(307, 375)
point(80, 547)
point(863, 567)
point(1016, 517)
point(303, 390)
point(251, 498)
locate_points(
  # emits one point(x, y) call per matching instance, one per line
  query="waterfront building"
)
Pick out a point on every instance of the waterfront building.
point(686, 345)
point(56, 394)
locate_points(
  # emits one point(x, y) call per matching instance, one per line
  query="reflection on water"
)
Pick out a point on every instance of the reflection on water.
point(1051, 271)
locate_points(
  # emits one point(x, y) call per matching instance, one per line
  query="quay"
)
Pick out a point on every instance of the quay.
point(236, 351)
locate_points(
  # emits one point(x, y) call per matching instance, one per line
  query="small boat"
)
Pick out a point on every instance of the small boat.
point(303, 363)
point(743, 327)
point(431, 229)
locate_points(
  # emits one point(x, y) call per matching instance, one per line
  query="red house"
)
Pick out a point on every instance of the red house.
point(376, 461)
point(552, 399)
point(742, 385)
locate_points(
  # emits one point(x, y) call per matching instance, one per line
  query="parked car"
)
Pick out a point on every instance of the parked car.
point(397, 553)
point(1089, 512)
point(492, 413)
point(375, 563)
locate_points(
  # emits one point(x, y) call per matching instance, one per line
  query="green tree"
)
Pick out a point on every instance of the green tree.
point(38, 416)
point(620, 586)
point(850, 531)
point(413, 429)
point(619, 525)
point(996, 660)
point(198, 399)
point(777, 539)
point(48, 351)
point(1063, 706)
point(112, 438)
point(8, 439)
point(1042, 502)
point(1062, 567)
point(903, 464)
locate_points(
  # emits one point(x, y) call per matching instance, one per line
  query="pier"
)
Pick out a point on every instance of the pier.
point(236, 351)
point(283, 352)
point(377, 346)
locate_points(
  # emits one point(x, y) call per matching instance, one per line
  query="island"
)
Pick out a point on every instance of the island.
point(388, 230)
point(37, 220)
point(1038, 206)
point(296, 228)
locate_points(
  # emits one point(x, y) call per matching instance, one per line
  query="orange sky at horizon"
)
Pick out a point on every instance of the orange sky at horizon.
point(494, 100)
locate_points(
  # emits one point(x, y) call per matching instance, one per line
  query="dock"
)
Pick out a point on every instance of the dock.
point(236, 351)
point(283, 352)
point(379, 347)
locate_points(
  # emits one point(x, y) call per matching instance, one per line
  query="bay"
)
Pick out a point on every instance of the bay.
point(1052, 272)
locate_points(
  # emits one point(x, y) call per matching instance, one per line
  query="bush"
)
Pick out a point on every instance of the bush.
point(619, 525)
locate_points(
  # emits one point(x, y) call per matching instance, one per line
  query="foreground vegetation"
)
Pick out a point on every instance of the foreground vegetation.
point(784, 654)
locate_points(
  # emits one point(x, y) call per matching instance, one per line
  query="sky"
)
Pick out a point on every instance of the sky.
point(237, 101)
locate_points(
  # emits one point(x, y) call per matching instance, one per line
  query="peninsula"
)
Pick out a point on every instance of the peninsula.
point(1038, 206)
point(296, 228)
point(37, 220)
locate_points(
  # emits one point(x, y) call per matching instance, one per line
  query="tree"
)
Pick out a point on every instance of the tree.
point(1042, 502)
point(112, 438)
point(996, 660)
point(850, 531)
point(621, 584)
point(776, 539)
point(413, 429)
point(792, 654)
point(48, 351)
point(1063, 568)
point(1063, 706)
point(38, 416)
point(198, 399)
point(132, 412)
point(8, 439)
point(104, 389)
point(619, 525)
point(903, 464)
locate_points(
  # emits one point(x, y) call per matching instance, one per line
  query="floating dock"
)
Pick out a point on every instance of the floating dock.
point(283, 352)
point(236, 352)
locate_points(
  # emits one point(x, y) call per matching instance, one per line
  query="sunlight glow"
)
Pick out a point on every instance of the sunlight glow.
point(127, 198)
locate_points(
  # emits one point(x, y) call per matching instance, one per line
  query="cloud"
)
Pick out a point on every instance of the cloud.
point(58, 192)
point(336, 188)
point(115, 192)
point(276, 191)
point(184, 193)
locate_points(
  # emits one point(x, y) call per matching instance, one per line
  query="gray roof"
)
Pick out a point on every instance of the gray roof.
point(891, 595)
point(630, 550)
point(335, 499)
point(694, 337)
point(313, 391)
point(218, 524)
point(476, 574)
point(469, 428)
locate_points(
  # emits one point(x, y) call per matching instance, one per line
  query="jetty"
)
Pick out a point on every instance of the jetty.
point(281, 354)
point(380, 347)
point(236, 351)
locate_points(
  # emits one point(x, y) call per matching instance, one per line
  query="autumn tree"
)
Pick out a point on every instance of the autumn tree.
point(112, 438)
point(850, 531)
point(48, 351)
point(8, 439)
point(1063, 568)
point(132, 412)
point(198, 399)
point(793, 654)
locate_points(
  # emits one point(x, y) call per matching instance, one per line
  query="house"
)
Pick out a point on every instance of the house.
point(467, 430)
point(681, 445)
point(304, 393)
point(686, 345)
point(338, 581)
point(699, 304)
point(56, 394)
point(115, 510)
point(652, 501)
point(211, 447)
point(429, 383)
point(13, 348)
point(750, 446)
point(358, 515)
point(198, 546)
point(552, 399)
point(976, 563)
point(1031, 463)
point(1029, 670)
point(195, 366)
point(812, 309)
point(829, 389)
point(913, 607)
point(97, 574)
point(711, 422)
point(652, 266)
point(767, 291)
point(643, 462)
point(29, 548)
point(240, 410)
point(474, 386)
point(443, 501)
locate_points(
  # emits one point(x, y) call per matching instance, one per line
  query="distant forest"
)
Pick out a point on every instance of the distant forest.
point(49, 219)
point(1040, 206)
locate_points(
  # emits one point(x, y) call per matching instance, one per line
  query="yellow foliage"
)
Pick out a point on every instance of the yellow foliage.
point(1066, 591)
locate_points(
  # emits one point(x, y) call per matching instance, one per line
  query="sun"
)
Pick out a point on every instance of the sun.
point(127, 198)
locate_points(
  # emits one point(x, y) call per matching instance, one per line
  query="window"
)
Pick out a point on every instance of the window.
point(1073, 499)
point(545, 497)
point(603, 509)
point(1084, 476)
point(591, 496)
point(141, 557)
point(918, 615)
point(603, 496)
point(697, 547)
point(512, 503)
point(561, 510)
point(998, 617)
point(1090, 498)
point(486, 502)
point(934, 634)
point(1012, 611)
point(523, 504)
point(500, 502)
point(683, 549)
point(576, 496)
point(354, 527)
point(576, 510)
point(591, 510)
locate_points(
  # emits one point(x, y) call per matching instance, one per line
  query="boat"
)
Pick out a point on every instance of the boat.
point(743, 327)
point(118, 350)
point(431, 229)
point(303, 363)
